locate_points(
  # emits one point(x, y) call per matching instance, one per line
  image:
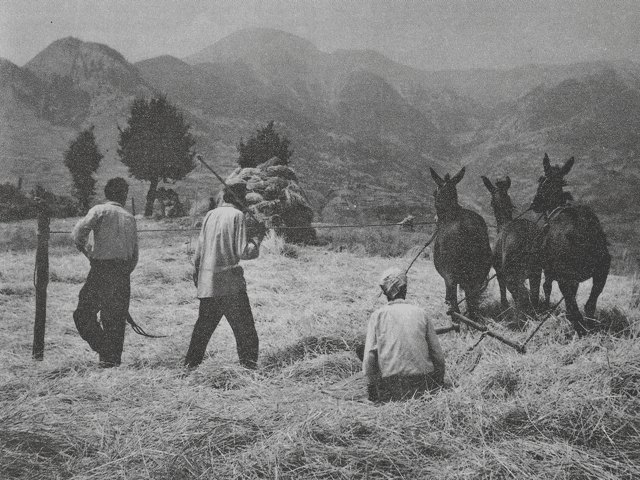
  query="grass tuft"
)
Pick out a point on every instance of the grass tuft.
point(306, 347)
point(274, 244)
point(614, 321)
point(331, 367)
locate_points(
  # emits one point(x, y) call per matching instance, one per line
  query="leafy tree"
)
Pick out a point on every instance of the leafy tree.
point(156, 145)
point(265, 145)
point(82, 158)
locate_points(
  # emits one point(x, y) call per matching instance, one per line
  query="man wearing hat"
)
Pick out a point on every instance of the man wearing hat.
point(222, 289)
point(402, 354)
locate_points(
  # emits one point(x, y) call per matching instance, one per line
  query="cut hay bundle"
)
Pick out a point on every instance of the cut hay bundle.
point(275, 197)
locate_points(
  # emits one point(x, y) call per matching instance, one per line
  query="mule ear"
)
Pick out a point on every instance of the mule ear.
point(507, 184)
point(458, 176)
point(488, 184)
point(546, 164)
point(567, 166)
point(436, 178)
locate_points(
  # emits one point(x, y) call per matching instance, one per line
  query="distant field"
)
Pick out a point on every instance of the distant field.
point(568, 408)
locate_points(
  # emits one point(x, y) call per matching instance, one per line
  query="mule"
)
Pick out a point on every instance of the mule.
point(574, 247)
point(515, 253)
point(461, 251)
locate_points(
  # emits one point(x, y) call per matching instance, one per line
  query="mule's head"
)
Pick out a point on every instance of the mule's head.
point(550, 194)
point(446, 195)
point(500, 199)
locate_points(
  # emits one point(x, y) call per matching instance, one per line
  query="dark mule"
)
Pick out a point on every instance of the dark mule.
point(515, 254)
point(461, 252)
point(574, 248)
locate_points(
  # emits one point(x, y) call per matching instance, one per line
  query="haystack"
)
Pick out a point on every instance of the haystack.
point(276, 199)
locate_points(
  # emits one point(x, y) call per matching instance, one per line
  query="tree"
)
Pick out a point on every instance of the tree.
point(265, 145)
point(82, 158)
point(156, 145)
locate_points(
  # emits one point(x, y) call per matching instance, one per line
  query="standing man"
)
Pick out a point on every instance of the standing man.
point(402, 354)
point(222, 289)
point(108, 237)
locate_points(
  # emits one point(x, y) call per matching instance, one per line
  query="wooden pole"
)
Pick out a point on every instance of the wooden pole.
point(516, 346)
point(451, 328)
point(41, 279)
point(133, 206)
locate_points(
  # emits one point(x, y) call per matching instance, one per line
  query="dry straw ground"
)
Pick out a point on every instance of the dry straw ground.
point(569, 408)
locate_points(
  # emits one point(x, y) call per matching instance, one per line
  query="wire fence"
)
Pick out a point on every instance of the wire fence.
point(322, 226)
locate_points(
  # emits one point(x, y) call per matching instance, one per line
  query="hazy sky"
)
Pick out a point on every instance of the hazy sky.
point(433, 35)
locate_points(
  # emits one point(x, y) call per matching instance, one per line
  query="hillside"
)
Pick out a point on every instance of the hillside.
point(364, 129)
point(68, 86)
point(32, 126)
point(596, 119)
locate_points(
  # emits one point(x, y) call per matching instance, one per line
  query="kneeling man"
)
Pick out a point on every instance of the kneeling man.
point(402, 354)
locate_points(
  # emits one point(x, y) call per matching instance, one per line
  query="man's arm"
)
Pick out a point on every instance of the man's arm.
point(435, 352)
point(82, 230)
point(370, 365)
point(248, 249)
point(252, 250)
point(198, 253)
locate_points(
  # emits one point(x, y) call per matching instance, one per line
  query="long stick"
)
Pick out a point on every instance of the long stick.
point(421, 250)
point(221, 180)
point(41, 279)
point(451, 328)
point(519, 348)
point(549, 313)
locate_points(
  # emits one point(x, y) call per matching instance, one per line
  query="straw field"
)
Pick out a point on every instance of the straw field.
point(568, 408)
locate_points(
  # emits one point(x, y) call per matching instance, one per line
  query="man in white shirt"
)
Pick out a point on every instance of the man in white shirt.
point(219, 278)
point(402, 354)
point(108, 237)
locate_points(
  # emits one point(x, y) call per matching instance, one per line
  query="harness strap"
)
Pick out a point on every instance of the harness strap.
point(559, 209)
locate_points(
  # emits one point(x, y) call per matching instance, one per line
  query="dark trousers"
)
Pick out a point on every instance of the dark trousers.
point(108, 291)
point(397, 387)
point(237, 310)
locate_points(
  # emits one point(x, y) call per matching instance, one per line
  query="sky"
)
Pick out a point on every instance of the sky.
point(432, 35)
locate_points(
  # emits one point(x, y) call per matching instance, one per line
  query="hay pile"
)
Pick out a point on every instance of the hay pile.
point(277, 200)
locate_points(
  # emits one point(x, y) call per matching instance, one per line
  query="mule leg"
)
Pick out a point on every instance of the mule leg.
point(569, 291)
point(520, 295)
point(451, 297)
point(534, 288)
point(599, 279)
point(472, 299)
point(502, 284)
point(547, 286)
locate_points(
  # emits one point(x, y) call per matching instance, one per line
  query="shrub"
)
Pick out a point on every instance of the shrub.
point(16, 205)
point(264, 145)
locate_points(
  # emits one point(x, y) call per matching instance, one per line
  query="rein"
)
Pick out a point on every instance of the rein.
point(558, 210)
point(528, 209)
point(422, 250)
point(139, 330)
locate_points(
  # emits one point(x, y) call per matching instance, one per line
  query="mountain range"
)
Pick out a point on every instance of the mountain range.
point(365, 129)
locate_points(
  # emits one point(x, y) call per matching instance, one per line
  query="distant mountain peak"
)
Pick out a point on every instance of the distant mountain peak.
point(81, 47)
point(251, 43)
point(92, 67)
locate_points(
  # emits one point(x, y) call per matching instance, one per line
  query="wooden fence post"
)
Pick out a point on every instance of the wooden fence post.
point(41, 279)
